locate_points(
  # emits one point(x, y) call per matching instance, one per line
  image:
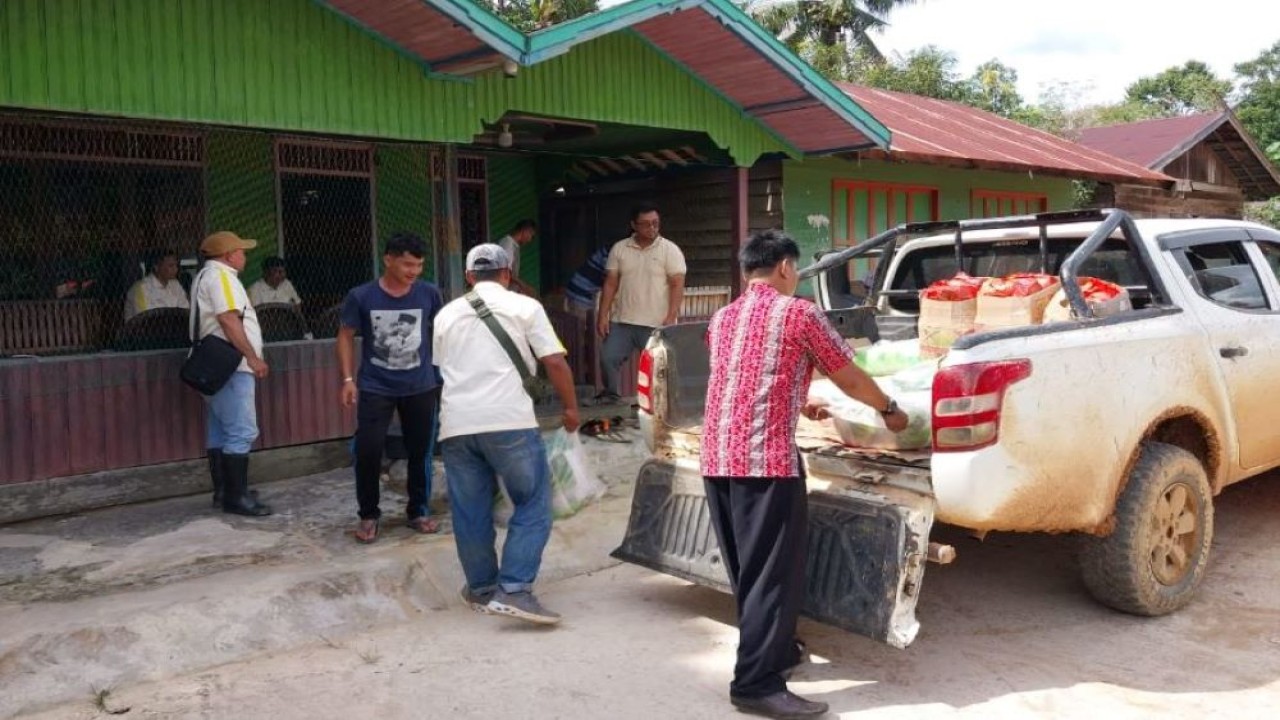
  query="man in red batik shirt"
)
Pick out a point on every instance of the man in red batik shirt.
point(764, 348)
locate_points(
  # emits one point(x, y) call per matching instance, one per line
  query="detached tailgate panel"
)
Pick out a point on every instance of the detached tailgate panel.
point(866, 550)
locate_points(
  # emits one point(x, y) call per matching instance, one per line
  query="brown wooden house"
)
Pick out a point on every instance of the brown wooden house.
point(1216, 163)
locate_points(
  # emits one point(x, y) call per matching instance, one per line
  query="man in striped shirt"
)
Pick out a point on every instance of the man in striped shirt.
point(585, 284)
point(764, 348)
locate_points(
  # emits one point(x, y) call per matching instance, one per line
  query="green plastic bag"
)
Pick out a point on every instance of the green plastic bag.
point(886, 358)
point(863, 426)
point(573, 484)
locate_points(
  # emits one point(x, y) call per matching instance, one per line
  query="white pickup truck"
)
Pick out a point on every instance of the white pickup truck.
point(1121, 429)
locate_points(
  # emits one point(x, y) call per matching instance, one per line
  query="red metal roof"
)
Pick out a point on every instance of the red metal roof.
point(1149, 143)
point(931, 131)
point(426, 34)
point(742, 73)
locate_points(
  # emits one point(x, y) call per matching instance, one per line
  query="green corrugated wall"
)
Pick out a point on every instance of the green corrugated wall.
point(404, 194)
point(513, 196)
point(295, 65)
point(241, 193)
point(807, 188)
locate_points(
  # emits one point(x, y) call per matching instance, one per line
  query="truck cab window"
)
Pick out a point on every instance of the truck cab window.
point(1271, 251)
point(1222, 273)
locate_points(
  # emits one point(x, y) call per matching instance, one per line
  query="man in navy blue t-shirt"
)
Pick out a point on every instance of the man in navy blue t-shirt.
point(394, 315)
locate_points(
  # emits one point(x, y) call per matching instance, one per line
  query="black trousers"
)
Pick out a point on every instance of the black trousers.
point(418, 422)
point(763, 528)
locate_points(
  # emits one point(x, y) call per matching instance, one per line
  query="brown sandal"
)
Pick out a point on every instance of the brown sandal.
point(424, 524)
point(367, 531)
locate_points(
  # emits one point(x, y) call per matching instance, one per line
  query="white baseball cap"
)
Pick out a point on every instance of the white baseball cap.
point(487, 256)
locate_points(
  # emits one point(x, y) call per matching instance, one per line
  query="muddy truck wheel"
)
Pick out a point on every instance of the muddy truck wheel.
point(1153, 561)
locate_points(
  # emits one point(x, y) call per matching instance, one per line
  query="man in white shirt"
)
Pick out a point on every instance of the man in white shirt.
point(488, 429)
point(159, 289)
point(274, 287)
point(521, 234)
point(223, 309)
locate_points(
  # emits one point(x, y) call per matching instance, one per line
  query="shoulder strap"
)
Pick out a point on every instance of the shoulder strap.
point(195, 305)
point(500, 333)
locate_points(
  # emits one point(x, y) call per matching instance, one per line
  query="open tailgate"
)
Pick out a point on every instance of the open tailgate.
point(868, 533)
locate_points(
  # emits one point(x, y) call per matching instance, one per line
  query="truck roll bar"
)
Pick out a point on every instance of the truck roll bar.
point(1110, 219)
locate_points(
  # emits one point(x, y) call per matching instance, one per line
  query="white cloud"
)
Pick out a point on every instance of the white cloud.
point(1099, 45)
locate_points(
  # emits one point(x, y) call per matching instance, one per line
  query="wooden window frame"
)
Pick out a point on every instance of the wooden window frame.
point(844, 188)
point(279, 155)
point(481, 161)
point(116, 143)
point(980, 197)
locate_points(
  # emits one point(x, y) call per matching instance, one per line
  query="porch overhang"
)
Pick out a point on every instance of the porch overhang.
point(713, 40)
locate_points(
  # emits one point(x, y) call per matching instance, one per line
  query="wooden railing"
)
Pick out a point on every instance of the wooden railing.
point(45, 327)
point(577, 338)
point(700, 303)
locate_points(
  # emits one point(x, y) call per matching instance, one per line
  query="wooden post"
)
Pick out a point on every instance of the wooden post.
point(740, 227)
point(448, 233)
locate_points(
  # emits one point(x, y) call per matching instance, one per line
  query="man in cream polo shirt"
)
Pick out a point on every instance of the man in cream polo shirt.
point(159, 289)
point(488, 429)
point(643, 288)
point(224, 310)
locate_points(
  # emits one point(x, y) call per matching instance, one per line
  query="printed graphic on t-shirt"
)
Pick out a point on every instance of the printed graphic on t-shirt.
point(397, 337)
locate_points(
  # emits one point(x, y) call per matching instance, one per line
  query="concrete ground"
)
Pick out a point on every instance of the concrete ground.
point(299, 622)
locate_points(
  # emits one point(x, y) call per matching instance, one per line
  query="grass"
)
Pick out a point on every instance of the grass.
point(100, 697)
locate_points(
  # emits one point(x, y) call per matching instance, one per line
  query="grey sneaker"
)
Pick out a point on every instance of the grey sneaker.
point(523, 605)
point(477, 601)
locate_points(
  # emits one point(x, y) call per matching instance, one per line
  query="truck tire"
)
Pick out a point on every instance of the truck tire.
point(1153, 560)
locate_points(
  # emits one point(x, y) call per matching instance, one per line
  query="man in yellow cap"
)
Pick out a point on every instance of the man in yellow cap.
point(221, 307)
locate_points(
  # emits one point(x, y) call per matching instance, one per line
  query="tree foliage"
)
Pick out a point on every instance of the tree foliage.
point(1266, 212)
point(933, 72)
point(810, 26)
point(994, 88)
point(1259, 109)
point(531, 15)
point(928, 71)
point(1186, 90)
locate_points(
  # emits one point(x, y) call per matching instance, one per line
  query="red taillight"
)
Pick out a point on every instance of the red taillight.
point(967, 401)
point(644, 383)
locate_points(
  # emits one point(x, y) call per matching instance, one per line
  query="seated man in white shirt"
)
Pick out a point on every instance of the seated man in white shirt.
point(274, 287)
point(159, 289)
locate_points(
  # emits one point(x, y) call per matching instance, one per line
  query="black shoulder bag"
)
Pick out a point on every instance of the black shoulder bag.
point(212, 360)
point(537, 388)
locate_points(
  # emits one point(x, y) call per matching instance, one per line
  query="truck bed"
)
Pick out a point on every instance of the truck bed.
point(820, 438)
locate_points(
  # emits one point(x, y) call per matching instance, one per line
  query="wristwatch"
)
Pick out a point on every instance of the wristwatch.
point(891, 408)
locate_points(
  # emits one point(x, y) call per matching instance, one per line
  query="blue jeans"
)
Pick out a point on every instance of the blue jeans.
point(623, 341)
point(232, 419)
point(472, 464)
